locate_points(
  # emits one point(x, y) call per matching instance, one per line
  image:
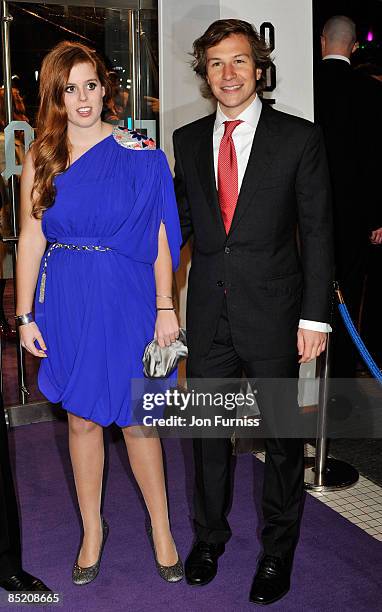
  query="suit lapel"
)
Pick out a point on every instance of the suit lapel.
point(206, 170)
point(260, 158)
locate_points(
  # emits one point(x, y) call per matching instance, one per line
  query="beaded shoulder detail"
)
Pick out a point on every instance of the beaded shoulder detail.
point(131, 139)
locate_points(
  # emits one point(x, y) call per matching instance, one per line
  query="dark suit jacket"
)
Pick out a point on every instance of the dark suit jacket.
point(10, 550)
point(349, 109)
point(4, 466)
point(269, 285)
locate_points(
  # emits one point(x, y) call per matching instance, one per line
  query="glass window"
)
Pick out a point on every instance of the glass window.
point(125, 33)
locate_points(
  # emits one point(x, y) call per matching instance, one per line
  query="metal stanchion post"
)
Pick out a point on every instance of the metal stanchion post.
point(323, 473)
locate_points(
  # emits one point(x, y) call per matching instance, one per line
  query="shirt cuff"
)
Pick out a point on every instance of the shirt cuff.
point(315, 326)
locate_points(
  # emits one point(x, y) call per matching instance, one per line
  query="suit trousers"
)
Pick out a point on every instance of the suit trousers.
point(283, 487)
point(10, 546)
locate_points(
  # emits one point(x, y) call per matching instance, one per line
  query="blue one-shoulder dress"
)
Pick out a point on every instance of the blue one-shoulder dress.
point(96, 307)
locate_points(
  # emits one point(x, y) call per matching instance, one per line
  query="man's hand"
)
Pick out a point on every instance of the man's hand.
point(310, 344)
point(376, 236)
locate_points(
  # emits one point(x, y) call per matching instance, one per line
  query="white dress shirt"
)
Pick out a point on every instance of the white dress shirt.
point(340, 57)
point(243, 136)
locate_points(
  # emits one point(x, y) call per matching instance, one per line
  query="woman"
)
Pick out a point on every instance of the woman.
point(104, 202)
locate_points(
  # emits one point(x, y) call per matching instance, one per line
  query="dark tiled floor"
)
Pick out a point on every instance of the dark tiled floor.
point(365, 455)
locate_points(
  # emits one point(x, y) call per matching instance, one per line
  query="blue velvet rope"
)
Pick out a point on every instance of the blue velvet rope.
point(369, 361)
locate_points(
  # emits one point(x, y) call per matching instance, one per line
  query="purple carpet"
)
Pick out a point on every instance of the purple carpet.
point(337, 566)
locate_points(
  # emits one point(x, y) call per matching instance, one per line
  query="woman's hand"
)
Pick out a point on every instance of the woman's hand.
point(28, 334)
point(166, 327)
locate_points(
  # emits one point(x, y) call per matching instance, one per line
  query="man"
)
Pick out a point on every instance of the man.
point(349, 109)
point(243, 178)
point(12, 575)
point(371, 330)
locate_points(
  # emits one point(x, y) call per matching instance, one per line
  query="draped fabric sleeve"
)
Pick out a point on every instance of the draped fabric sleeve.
point(169, 209)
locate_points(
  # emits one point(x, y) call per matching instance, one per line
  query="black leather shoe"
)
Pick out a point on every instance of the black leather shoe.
point(271, 581)
point(24, 582)
point(202, 563)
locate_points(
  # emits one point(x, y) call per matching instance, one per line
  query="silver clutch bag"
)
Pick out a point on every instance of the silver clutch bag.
point(161, 362)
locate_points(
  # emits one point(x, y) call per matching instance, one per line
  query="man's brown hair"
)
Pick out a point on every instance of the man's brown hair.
point(218, 31)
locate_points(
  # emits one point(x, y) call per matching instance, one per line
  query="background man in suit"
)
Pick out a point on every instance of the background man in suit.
point(12, 575)
point(245, 177)
point(371, 329)
point(349, 110)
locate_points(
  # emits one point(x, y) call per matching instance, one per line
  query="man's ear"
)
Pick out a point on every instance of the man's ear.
point(258, 73)
point(323, 42)
point(355, 46)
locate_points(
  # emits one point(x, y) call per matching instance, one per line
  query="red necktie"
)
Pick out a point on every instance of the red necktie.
point(228, 187)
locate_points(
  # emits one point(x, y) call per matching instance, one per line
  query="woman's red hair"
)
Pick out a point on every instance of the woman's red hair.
point(51, 154)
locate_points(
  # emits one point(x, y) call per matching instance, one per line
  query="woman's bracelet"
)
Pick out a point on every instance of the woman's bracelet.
point(169, 297)
point(166, 309)
point(24, 319)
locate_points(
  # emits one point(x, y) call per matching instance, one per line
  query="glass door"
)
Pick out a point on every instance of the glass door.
point(125, 33)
